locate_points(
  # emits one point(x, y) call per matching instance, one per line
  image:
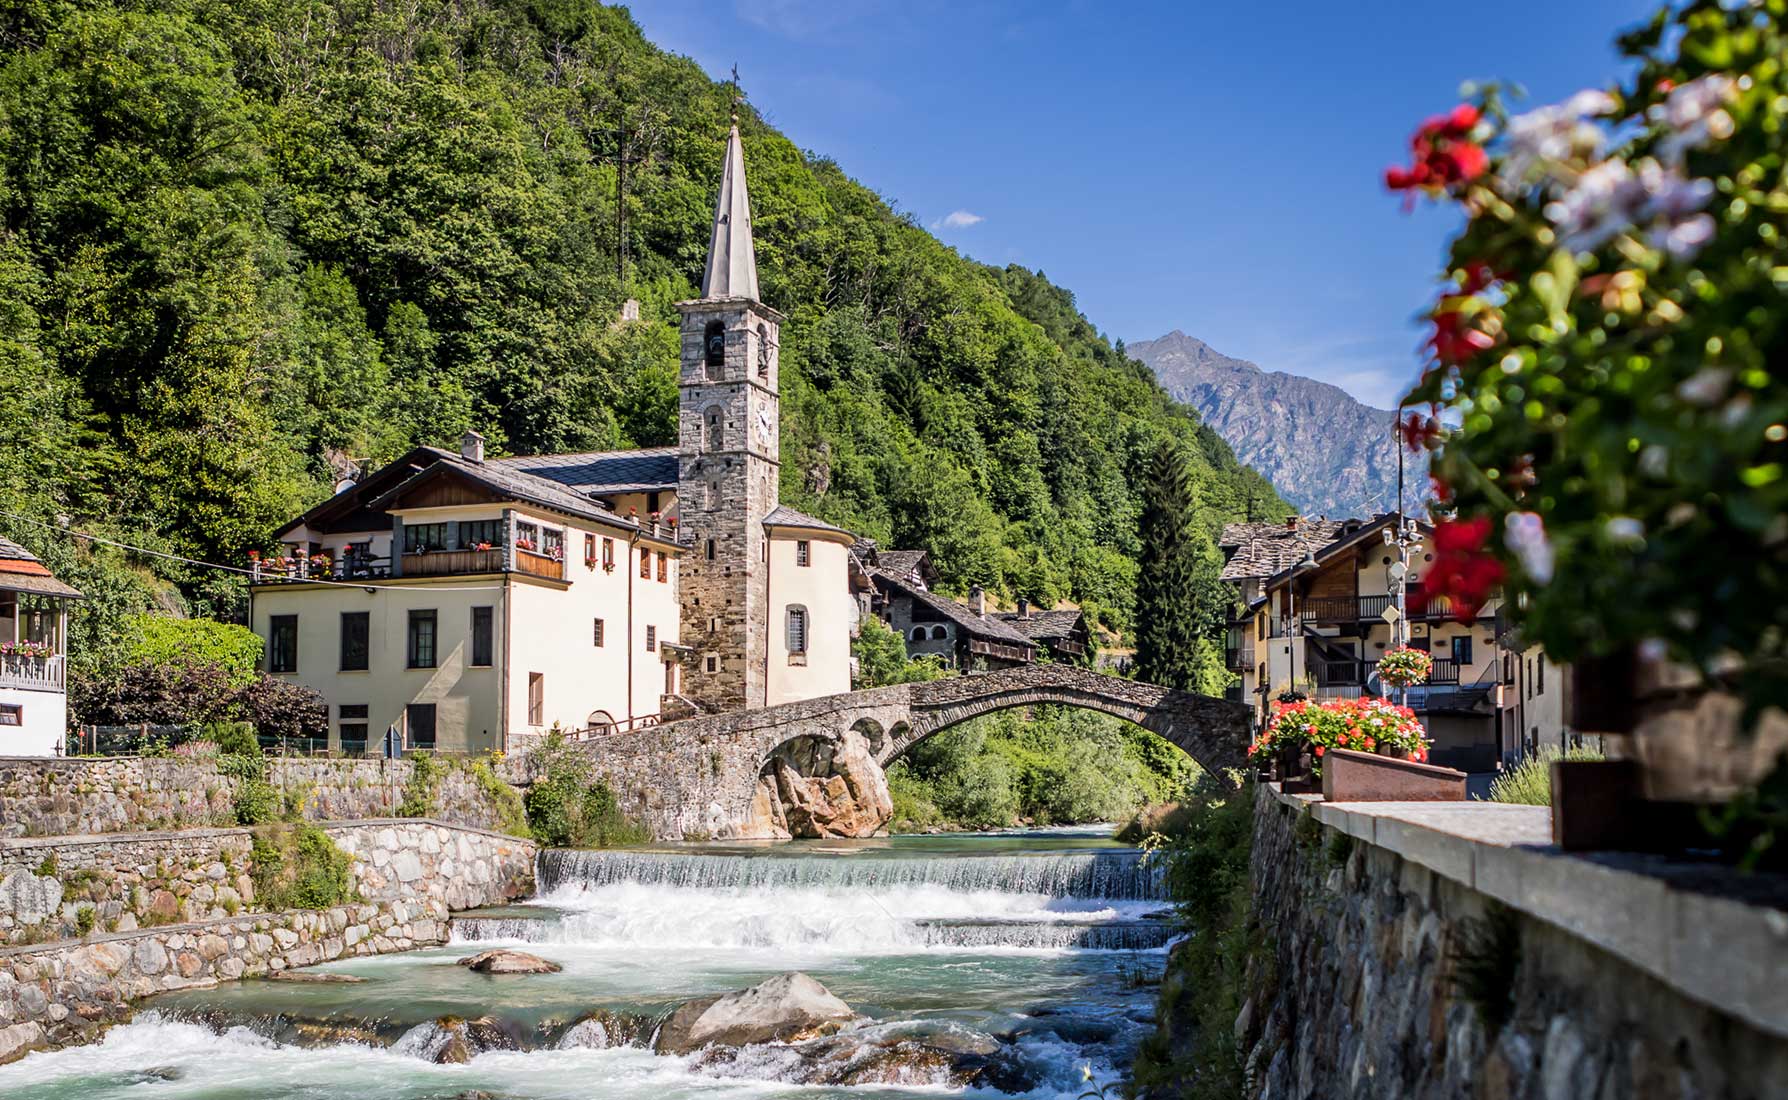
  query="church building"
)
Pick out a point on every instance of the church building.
point(468, 602)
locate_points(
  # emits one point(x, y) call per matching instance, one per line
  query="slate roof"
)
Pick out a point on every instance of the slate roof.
point(784, 516)
point(520, 484)
point(1264, 549)
point(648, 470)
point(901, 563)
point(21, 571)
point(1042, 625)
point(962, 615)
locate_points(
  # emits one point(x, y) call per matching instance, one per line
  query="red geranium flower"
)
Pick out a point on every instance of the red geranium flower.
point(1464, 571)
point(1444, 154)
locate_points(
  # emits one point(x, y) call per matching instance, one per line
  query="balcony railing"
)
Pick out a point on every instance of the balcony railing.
point(33, 673)
point(1330, 672)
point(1340, 610)
point(437, 563)
point(429, 563)
point(1238, 656)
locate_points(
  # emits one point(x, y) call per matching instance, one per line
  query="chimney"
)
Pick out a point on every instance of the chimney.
point(1291, 522)
point(471, 447)
point(1024, 608)
point(978, 601)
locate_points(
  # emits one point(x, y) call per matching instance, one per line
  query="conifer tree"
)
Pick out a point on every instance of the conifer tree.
point(1179, 598)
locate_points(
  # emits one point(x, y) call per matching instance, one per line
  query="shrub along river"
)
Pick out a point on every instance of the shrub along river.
point(1000, 963)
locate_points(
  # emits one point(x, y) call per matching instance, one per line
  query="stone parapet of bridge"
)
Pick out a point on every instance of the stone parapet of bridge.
point(695, 779)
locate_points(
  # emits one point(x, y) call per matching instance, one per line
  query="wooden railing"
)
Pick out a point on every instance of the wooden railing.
point(437, 563)
point(539, 565)
point(33, 673)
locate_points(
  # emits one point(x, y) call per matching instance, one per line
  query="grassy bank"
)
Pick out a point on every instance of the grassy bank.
point(1060, 766)
point(1206, 845)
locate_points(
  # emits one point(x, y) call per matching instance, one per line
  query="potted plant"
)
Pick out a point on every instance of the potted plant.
point(1366, 724)
point(1405, 666)
point(1604, 392)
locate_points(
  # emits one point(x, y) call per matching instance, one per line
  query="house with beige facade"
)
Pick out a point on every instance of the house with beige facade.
point(1317, 606)
point(461, 601)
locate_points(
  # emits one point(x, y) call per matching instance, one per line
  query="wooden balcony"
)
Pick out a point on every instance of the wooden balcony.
point(440, 563)
point(537, 565)
point(33, 673)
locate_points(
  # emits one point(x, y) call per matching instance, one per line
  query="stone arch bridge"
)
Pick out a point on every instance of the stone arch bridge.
point(697, 778)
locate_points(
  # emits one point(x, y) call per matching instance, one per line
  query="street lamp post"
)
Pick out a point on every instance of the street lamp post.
point(1404, 536)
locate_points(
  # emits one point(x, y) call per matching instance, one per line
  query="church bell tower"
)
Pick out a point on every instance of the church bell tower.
point(728, 430)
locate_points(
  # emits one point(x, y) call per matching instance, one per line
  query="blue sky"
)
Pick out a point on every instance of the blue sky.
point(1208, 166)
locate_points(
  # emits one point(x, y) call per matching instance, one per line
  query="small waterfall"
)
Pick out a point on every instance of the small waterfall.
point(1118, 875)
point(1123, 935)
point(487, 929)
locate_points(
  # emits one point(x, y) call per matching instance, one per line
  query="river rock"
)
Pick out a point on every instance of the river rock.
point(875, 1056)
point(509, 962)
point(453, 1040)
point(783, 1009)
point(316, 977)
point(850, 800)
point(602, 1029)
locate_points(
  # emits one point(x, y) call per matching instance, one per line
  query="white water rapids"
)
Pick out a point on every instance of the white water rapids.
point(1032, 947)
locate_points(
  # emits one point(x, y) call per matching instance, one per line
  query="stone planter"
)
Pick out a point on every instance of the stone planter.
point(1349, 776)
point(1676, 745)
point(1685, 737)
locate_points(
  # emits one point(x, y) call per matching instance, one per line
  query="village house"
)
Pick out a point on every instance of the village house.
point(465, 601)
point(1315, 604)
point(33, 648)
point(967, 637)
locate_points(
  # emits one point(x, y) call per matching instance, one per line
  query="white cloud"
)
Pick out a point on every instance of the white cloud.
point(957, 219)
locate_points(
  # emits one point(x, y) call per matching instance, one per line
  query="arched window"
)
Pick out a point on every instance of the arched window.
point(599, 722)
point(797, 629)
point(714, 346)
point(763, 350)
point(918, 633)
point(716, 425)
point(938, 633)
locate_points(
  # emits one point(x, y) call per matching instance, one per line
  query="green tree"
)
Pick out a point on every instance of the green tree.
point(1180, 602)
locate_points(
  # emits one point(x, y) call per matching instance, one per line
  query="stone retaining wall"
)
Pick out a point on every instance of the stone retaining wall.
point(410, 875)
point(54, 888)
point(61, 797)
point(1449, 951)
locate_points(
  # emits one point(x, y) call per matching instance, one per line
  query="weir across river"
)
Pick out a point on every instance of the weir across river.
point(695, 779)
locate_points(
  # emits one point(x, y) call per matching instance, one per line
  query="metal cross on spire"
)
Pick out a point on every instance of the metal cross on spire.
point(737, 98)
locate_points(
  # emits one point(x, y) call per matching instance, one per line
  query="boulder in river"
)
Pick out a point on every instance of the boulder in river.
point(454, 1040)
point(317, 977)
point(501, 961)
point(602, 1029)
point(825, 790)
point(901, 1055)
point(784, 1009)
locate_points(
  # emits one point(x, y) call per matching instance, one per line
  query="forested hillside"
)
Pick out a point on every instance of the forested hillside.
point(249, 243)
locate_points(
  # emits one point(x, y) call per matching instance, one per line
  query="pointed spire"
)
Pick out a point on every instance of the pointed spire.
point(732, 263)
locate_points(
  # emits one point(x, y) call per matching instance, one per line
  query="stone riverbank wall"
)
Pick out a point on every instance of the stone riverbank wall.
point(59, 797)
point(410, 874)
point(1448, 951)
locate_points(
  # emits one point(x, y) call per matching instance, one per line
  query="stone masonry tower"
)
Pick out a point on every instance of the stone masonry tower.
point(728, 429)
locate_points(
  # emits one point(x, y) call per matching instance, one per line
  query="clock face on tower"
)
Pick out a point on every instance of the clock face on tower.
point(766, 425)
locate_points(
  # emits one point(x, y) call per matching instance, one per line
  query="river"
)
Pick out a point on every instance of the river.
point(1040, 946)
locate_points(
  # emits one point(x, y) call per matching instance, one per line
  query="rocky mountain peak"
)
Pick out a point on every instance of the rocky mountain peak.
point(1326, 452)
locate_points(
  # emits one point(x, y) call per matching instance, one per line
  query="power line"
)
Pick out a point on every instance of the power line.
point(103, 541)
